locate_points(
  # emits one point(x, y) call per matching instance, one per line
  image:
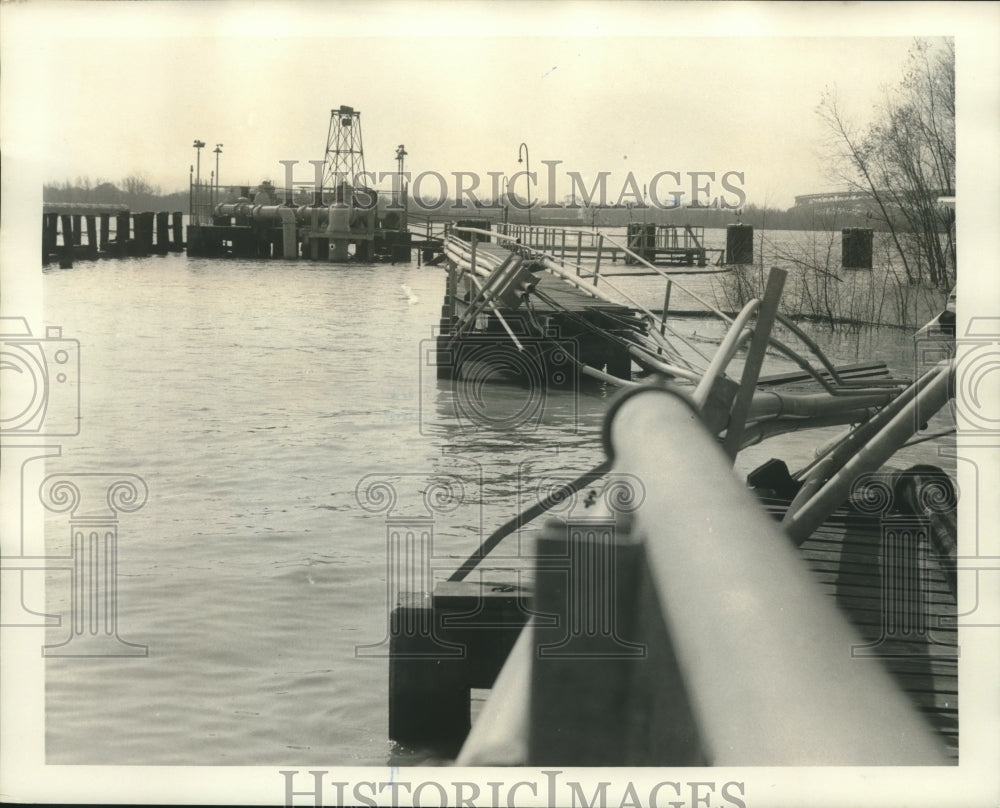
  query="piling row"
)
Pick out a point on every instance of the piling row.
point(86, 233)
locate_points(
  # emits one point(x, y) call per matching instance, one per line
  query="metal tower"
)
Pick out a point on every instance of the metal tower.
point(345, 155)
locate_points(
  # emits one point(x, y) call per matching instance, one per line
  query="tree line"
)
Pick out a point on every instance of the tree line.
point(134, 191)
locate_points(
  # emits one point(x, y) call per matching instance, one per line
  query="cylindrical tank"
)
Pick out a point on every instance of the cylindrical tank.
point(856, 248)
point(739, 244)
point(339, 219)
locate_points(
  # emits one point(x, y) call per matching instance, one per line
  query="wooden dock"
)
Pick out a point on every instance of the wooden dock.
point(683, 625)
point(545, 313)
point(83, 231)
point(912, 634)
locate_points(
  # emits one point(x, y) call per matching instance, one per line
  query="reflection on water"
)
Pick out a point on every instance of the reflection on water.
point(254, 398)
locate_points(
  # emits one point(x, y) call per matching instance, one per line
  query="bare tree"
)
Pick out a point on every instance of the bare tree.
point(905, 161)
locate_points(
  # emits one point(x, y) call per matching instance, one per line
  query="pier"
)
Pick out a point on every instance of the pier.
point(675, 615)
point(83, 231)
point(721, 641)
point(686, 626)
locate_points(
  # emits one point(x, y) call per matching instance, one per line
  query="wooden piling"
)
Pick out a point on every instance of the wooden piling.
point(105, 232)
point(50, 235)
point(428, 691)
point(143, 233)
point(92, 245)
point(66, 254)
point(77, 229)
point(162, 232)
point(178, 226)
point(123, 233)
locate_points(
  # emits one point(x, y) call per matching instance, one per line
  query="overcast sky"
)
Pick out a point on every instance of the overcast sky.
point(108, 91)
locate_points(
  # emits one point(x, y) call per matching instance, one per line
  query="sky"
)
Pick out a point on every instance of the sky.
point(107, 91)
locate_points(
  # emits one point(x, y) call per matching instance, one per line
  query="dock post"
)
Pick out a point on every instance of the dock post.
point(144, 233)
point(562, 255)
point(472, 253)
point(91, 236)
point(597, 263)
point(50, 235)
point(429, 698)
point(666, 306)
point(105, 231)
point(162, 234)
point(66, 257)
point(123, 224)
point(579, 251)
point(77, 229)
point(178, 222)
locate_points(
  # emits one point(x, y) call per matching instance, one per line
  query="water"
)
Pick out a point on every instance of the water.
point(253, 398)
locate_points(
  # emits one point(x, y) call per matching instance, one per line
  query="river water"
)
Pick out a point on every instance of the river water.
point(253, 398)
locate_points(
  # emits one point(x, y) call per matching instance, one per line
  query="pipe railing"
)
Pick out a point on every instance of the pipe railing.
point(833, 386)
point(553, 266)
point(738, 638)
point(732, 587)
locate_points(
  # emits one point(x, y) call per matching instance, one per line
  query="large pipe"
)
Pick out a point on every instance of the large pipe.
point(272, 213)
point(764, 653)
point(289, 236)
point(903, 425)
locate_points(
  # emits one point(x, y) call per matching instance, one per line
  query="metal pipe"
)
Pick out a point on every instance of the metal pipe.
point(871, 456)
point(764, 653)
point(759, 431)
point(554, 268)
point(772, 404)
point(737, 335)
point(851, 444)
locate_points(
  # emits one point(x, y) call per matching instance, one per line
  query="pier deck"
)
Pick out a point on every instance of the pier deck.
point(846, 563)
point(558, 317)
point(565, 296)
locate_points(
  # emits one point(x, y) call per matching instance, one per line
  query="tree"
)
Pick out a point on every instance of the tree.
point(905, 161)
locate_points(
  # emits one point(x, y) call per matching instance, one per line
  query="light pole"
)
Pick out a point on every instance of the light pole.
point(503, 198)
point(400, 158)
point(218, 151)
point(198, 146)
point(527, 162)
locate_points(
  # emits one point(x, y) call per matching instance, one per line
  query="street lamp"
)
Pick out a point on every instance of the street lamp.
point(527, 162)
point(400, 157)
point(503, 198)
point(218, 151)
point(198, 146)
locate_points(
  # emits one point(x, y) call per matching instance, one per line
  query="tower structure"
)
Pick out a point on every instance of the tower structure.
point(345, 154)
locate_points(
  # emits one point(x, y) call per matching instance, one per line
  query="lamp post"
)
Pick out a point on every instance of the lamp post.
point(503, 198)
point(198, 146)
point(527, 162)
point(218, 151)
point(403, 192)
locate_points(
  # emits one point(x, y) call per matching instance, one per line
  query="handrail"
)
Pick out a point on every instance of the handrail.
point(732, 587)
point(716, 580)
point(552, 265)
